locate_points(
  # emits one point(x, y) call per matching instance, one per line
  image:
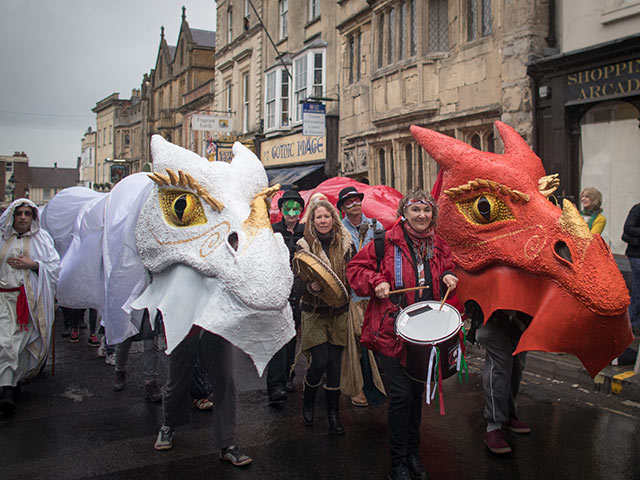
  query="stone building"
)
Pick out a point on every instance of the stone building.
point(179, 70)
point(107, 113)
point(453, 66)
point(239, 64)
point(587, 104)
point(88, 158)
point(299, 74)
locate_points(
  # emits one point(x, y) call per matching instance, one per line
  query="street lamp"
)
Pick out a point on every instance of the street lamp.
point(11, 187)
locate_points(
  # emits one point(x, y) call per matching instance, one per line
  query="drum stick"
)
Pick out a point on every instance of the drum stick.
point(408, 289)
point(445, 298)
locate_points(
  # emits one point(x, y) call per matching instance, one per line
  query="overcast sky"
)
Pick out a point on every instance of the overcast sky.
point(59, 57)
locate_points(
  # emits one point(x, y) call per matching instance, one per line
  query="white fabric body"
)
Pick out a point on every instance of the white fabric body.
point(122, 240)
point(22, 353)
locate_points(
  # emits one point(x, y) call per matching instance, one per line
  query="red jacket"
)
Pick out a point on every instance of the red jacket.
point(378, 329)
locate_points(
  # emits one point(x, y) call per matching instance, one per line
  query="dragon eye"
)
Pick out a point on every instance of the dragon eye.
point(182, 209)
point(484, 209)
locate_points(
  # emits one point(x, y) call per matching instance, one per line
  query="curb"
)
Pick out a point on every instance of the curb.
point(617, 380)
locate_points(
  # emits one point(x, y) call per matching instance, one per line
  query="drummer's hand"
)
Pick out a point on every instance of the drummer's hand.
point(315, 287)
point(382, 290)
point(451, 281)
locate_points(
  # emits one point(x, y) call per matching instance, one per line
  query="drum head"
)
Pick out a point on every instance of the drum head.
point(423, 323)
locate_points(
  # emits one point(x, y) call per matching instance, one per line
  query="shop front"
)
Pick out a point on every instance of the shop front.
point(586, 125)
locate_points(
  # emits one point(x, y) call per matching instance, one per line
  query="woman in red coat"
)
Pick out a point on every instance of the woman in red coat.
point(419, 256)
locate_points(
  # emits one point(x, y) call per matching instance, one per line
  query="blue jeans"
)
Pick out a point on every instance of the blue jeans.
point(634, 308)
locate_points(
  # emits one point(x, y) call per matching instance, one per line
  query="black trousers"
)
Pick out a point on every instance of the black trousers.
point(280, 365)
point(405, 410)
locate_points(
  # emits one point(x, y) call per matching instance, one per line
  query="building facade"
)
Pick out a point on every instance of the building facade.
point(587, 105)
point(453, 66)
point(107, 113)
point(45, 182)
point(87, 158)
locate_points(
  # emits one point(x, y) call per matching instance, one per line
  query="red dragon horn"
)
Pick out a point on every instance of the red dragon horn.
point(444, 149)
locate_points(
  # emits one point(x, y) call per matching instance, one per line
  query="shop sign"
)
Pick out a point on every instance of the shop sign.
point(293, 149)
point(211, 123)
point(600, 83)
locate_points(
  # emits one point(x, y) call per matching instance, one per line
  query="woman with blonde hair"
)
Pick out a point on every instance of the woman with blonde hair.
point(324, 327)
point(591, 200)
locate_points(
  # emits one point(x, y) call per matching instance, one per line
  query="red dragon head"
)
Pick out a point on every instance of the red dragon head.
point(516, 250)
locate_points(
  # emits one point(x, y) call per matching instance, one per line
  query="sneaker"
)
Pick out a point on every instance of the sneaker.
point(495, 442)
point(75, 335)
point(66, 332)
point(102, 349)
point(516, 425)
point(119, 381)
point(152, 393)
point(93, 341)
point(110, 359)
point(165, 439)
point(235, 456)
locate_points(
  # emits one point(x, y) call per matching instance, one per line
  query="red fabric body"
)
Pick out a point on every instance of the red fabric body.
point(378, 329)
point(22, 307)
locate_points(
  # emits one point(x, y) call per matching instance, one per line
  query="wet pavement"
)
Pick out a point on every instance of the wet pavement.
point(73, 425)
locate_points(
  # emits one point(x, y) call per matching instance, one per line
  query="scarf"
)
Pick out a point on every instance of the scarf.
point(422, 242)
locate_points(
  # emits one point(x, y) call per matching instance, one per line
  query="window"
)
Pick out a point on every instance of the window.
point(308, 79)
point(229, 25)
point(491, 143)
point(104, 136)
point(8, 167)
point(414, 31)
point(392, 173)
point(300, 85)
point(110, 134)
point(380, 41)
point(476, 142)
point(227, 88)
point(127, 139)
point(408, 153)
point(438, 26)
point(245, 103)
point(314, 9)
point(420, 183)
point(270, 98)
point(479, 19)
point(391, 34)
point(382, 167)
point(284, 14)
point(247, 9)
point(402, 30)
point(277, 99)
point(354, 58)
point(318, 71)
point(46, 194)
point(284, 99)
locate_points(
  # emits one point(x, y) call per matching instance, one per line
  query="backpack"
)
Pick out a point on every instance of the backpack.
point(378, 240)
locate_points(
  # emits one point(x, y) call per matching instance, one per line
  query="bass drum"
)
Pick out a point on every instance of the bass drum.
point(423, 327)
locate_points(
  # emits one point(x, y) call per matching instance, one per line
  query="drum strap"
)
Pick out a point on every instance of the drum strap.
point(397, 262)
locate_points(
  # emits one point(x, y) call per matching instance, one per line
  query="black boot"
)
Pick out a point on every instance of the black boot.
point(333, 411)
point(309, 403)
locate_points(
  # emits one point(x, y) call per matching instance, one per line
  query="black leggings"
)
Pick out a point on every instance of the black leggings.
point(325, 357)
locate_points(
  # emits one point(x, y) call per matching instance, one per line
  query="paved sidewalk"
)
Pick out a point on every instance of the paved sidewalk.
point(614, 379)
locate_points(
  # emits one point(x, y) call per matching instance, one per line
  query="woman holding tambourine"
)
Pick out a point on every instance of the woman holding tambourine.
point(324, 250)
point(420, 257)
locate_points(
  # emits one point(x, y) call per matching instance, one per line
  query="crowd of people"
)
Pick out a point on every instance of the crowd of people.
point(350, 347)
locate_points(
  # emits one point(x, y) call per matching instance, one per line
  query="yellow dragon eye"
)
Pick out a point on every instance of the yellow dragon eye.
point(484, 209)
point(182, 209)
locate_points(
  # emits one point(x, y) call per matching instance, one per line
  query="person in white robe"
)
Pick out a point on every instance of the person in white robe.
point(29, 267)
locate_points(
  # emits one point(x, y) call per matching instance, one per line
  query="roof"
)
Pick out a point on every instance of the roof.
point(46, 177)
point(204, 38)
point(172, 52)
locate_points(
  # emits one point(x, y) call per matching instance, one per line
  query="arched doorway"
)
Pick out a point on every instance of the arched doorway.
point(610, 162)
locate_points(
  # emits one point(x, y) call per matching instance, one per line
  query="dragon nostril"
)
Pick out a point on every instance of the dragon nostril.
point(233, 240)
point(562, 250)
